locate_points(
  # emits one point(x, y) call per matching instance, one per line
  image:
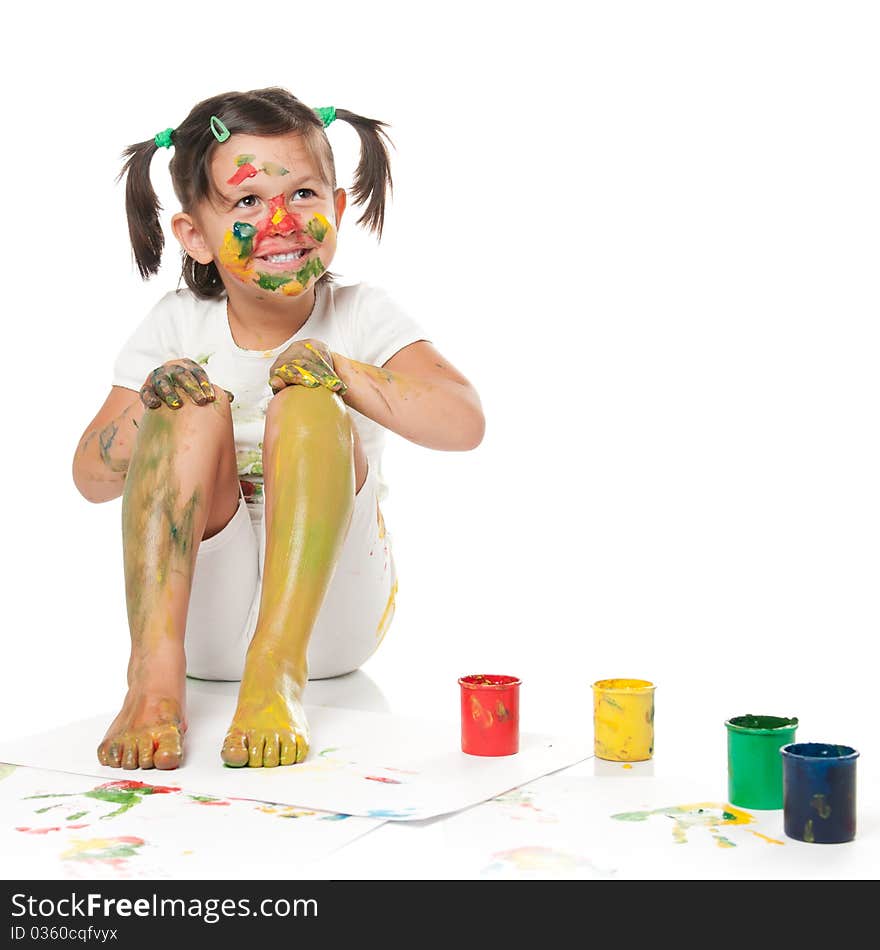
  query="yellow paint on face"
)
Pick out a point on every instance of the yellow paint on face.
point(293, 289)
point(623, 720)
point(279, 216)
point(229, 258)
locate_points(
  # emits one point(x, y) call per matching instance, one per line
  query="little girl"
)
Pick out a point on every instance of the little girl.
point(245, 425)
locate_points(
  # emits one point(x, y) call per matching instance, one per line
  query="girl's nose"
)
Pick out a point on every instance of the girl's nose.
point(281, 221)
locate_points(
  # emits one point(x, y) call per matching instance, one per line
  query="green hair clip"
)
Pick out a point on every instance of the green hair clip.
point(326, 114)
point(163, 139)
point(221, 133)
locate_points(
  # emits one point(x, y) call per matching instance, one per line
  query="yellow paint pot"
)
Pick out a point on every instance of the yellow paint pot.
point(623, 720)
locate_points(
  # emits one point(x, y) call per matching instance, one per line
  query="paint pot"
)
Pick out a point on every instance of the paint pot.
point(819, 792)
point(623, 720)
point(754, 767)
point(489, 714)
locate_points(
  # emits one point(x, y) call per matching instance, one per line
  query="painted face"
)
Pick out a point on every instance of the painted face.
point(273, 240)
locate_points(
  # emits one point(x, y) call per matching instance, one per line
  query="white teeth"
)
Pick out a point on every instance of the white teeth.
point(283, 258)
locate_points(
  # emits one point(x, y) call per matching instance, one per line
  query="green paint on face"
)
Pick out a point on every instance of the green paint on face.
point(76, 814)
point(243, 160)
point(244, 234)
point(317, 229)
point(272, 281)
point(271, 168)
point(312, 268)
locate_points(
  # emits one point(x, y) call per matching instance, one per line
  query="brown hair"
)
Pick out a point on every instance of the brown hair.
point(271, 111)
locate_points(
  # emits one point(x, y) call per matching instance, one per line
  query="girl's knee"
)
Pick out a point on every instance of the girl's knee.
point(298, 408)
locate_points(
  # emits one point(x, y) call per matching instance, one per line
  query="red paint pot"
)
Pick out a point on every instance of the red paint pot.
point(489, 714)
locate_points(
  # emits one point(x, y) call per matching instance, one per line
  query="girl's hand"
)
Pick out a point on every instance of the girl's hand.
point(185, 374)
point(305, 363)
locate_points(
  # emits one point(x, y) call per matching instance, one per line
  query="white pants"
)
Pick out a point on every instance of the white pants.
point(227, 583)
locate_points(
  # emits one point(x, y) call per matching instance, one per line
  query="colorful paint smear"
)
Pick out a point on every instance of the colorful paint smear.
point(709, 815)
point(245, 169)
point(537, 859)
point(239, 243)
point(114, 852)
point(126, 794)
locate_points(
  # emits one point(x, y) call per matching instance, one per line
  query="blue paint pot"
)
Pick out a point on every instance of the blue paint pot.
point(819, 792)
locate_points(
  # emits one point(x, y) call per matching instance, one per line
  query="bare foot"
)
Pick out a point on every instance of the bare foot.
point(269, 727)
point(148, 732)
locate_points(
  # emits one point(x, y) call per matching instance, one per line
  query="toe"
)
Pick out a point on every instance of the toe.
point(271, 750)
point(102, 753)
point(129, 752)
point(114, 753)
point(145, 751)
point(302, 747)
point(255, 749)
point(235, 750)
point(288, 749)
point(169, 748)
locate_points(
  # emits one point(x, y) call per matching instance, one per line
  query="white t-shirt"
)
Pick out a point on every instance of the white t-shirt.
point(359, 321)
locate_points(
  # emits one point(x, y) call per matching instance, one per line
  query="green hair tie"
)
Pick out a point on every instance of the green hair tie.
point(326, 114)
point(163, 139)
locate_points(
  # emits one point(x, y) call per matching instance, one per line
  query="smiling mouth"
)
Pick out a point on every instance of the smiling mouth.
point(290, 257)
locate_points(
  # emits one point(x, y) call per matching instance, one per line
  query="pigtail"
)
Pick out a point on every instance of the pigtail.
point(142, 207)
point(372, 178)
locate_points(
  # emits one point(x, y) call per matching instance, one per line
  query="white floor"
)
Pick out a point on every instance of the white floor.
point(561, 826)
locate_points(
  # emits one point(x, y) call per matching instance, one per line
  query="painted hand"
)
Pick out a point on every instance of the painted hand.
point(184, 374)
point(306, 363)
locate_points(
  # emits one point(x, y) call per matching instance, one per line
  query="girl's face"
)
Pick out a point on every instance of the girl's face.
point(273, 226)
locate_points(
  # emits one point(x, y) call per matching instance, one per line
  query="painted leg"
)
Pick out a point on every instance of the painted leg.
point(181, 486)
point(309, 485)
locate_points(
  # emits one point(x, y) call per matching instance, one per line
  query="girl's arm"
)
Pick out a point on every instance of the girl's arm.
point(101, 459)
point(417, 394)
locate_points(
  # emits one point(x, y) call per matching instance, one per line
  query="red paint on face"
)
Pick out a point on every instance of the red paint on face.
point(380, 778)
point(244, 171)
point(286, 222)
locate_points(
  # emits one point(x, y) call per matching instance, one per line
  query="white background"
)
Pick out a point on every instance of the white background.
point(647, 232)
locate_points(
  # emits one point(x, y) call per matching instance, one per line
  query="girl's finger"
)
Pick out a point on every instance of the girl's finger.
point(186, 380)
point(201, 378)
point(149, 398)
point(164, 389)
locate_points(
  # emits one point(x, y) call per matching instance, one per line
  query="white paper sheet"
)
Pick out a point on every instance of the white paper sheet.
point(370, 764)
point(603, 820)
point(60, 825)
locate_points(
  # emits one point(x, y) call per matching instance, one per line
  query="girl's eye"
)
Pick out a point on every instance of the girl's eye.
point(249, 201)
point(306, 191)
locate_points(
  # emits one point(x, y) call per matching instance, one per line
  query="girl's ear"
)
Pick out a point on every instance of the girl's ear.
point(190, 237)
point(340, 200)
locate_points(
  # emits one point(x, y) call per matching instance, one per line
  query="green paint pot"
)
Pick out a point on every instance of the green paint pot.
point(754, 765)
